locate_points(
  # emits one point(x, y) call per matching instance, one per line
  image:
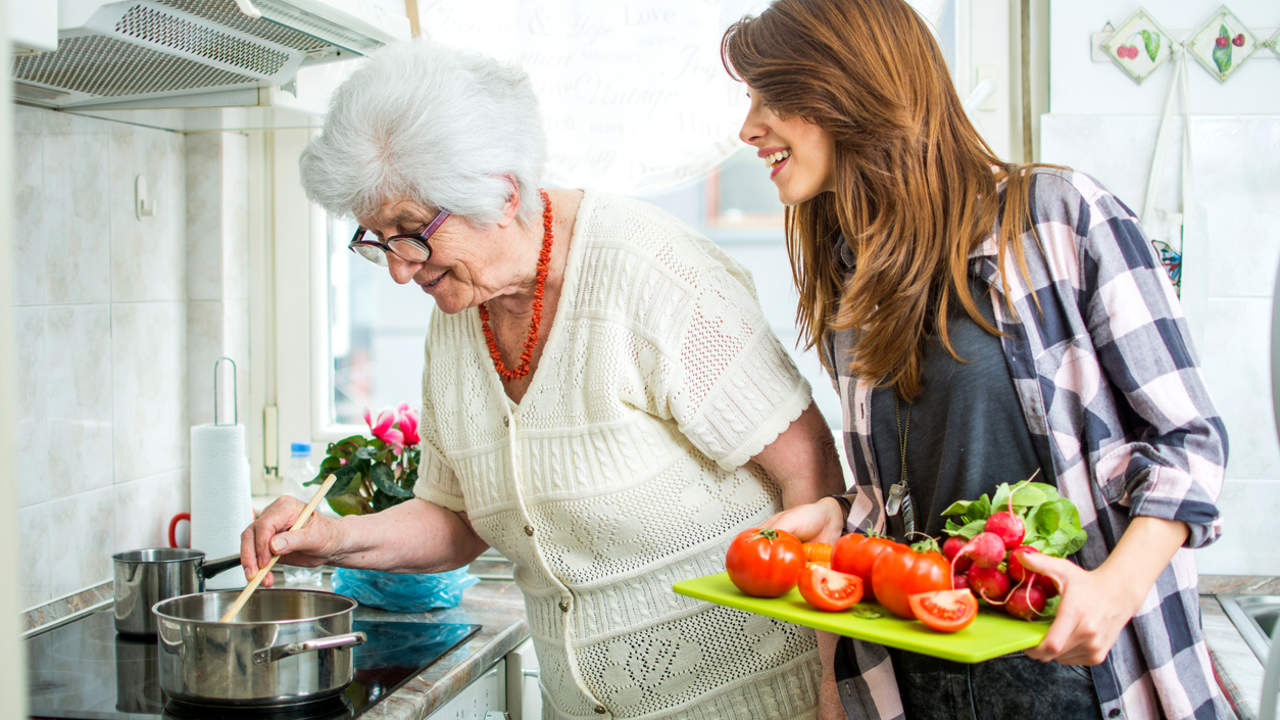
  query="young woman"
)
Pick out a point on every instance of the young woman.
point(984, 320)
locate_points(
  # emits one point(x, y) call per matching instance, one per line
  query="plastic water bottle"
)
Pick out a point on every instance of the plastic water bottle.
point(297, 471)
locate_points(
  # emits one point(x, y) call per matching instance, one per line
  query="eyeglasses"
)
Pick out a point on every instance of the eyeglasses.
point(412, 247)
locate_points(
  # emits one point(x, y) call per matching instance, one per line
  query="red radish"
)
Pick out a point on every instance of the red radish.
point(959, 581)
point(986, 549)
point(990, 584)
point(1026, 602)
point(1019, 574)
point(951, 548)
point(1008, 526)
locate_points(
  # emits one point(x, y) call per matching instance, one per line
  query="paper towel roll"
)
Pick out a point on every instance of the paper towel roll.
point(221, 502)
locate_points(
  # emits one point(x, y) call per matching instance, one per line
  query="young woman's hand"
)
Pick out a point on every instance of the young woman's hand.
point(1096, 604)
point(1090, 616)
point(821, 521)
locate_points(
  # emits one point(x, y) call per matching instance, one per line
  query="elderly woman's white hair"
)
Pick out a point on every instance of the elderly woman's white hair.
point(433, 124)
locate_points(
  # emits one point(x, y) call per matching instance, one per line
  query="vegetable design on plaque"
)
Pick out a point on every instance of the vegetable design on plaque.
point(1138, 45)
point(1222, 49)
point(1222, 44)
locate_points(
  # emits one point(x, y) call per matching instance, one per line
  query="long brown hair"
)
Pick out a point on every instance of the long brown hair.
point(916, 186)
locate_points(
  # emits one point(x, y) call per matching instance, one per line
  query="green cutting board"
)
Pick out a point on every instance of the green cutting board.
point(990, 635)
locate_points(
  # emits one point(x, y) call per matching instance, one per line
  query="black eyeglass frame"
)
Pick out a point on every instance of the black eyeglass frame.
point(419, 240)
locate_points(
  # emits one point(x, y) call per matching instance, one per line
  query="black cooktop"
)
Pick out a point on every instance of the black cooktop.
point(84, 670)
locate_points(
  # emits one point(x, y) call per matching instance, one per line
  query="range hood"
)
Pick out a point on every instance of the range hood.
point(195, 53)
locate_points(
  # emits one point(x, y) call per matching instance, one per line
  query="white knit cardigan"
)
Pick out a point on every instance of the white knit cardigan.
point(626, 467)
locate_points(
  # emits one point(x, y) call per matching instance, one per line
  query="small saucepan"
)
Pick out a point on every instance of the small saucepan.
point(147, 576)
point(285, 647)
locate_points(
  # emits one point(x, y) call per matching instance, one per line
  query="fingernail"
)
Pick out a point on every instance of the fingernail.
point(278, 544)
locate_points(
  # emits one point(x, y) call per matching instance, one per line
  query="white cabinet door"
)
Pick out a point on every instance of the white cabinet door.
point(484, 699)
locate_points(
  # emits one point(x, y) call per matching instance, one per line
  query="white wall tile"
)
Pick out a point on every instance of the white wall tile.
point(65, 442)
point(1236, 187)
point(38, 543)
point(204, 347)
point(148, 350)
point(144, 507)
point(204, 224)
point(1249, 536)
point(32, 218)
point(148, 255)
point(75, 188)
point(1236, 365)
point(235, 214)
point(81, 529)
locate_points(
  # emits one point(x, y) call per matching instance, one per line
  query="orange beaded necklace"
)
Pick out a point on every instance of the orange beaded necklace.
point(544, 264)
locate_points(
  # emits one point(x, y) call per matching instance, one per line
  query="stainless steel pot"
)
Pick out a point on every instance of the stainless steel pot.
point(286, 647)
point(147, 576)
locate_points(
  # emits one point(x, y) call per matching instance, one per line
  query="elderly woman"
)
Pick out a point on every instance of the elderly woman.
point(602, 399)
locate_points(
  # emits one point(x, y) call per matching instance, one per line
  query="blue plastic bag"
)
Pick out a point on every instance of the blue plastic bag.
point(403, 592)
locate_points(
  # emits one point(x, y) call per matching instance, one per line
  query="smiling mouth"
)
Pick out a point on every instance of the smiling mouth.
point(776, 160)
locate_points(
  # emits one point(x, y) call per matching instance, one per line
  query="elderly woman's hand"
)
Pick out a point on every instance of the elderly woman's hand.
point(821, 521)
point(315, 543)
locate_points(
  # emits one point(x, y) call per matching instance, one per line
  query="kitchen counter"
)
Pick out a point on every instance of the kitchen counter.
point(494, 603)
point(1239, 671)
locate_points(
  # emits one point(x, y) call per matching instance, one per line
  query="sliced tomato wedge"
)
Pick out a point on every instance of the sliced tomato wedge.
point(828, 590)
point(945, 610)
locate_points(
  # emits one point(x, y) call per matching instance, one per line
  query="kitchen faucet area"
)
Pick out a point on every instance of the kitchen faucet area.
point(216, 312)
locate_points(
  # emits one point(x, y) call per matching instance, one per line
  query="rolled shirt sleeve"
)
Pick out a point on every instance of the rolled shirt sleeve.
point(1176, 461)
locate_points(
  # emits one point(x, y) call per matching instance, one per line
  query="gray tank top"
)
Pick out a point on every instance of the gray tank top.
point(966, 432)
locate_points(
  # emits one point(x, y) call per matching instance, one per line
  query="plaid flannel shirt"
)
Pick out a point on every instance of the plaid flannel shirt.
point(1117, 408)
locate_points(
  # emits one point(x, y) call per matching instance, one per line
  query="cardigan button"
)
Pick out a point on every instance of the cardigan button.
point(506, 421)
point(528, 530)
point(600, 710)
point(564, 606)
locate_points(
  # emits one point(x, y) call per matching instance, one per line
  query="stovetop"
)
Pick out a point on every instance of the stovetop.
point(85, 670)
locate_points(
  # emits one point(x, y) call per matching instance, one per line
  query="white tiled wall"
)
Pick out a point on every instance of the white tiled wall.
point(105, 331)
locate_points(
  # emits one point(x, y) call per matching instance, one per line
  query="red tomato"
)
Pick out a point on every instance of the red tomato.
point(903, 572)
point(945, 610)
point(855, 554)
point(827, 589)
point(818, 552)
point(763, 562)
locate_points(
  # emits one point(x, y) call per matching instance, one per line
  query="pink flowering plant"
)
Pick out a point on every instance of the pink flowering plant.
point(374, 473)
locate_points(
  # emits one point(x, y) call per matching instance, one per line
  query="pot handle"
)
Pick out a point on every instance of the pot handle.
point(213, 567)
point(332, 642)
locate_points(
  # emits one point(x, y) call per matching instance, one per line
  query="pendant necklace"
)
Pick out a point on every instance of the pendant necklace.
point(899, 500)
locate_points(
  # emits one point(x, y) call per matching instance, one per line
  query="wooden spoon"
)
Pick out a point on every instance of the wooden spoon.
point(303, 516)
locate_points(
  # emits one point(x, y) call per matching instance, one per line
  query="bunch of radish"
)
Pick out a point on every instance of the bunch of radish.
point(986, 548)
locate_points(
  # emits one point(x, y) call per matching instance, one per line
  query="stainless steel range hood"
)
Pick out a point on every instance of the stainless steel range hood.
point(194, 53)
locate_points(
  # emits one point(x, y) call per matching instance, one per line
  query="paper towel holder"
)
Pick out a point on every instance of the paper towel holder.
point(235, 401)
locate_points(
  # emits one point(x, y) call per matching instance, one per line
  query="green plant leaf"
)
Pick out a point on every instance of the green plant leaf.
point(346, 504)
point(349, 481)
point(385, 481)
